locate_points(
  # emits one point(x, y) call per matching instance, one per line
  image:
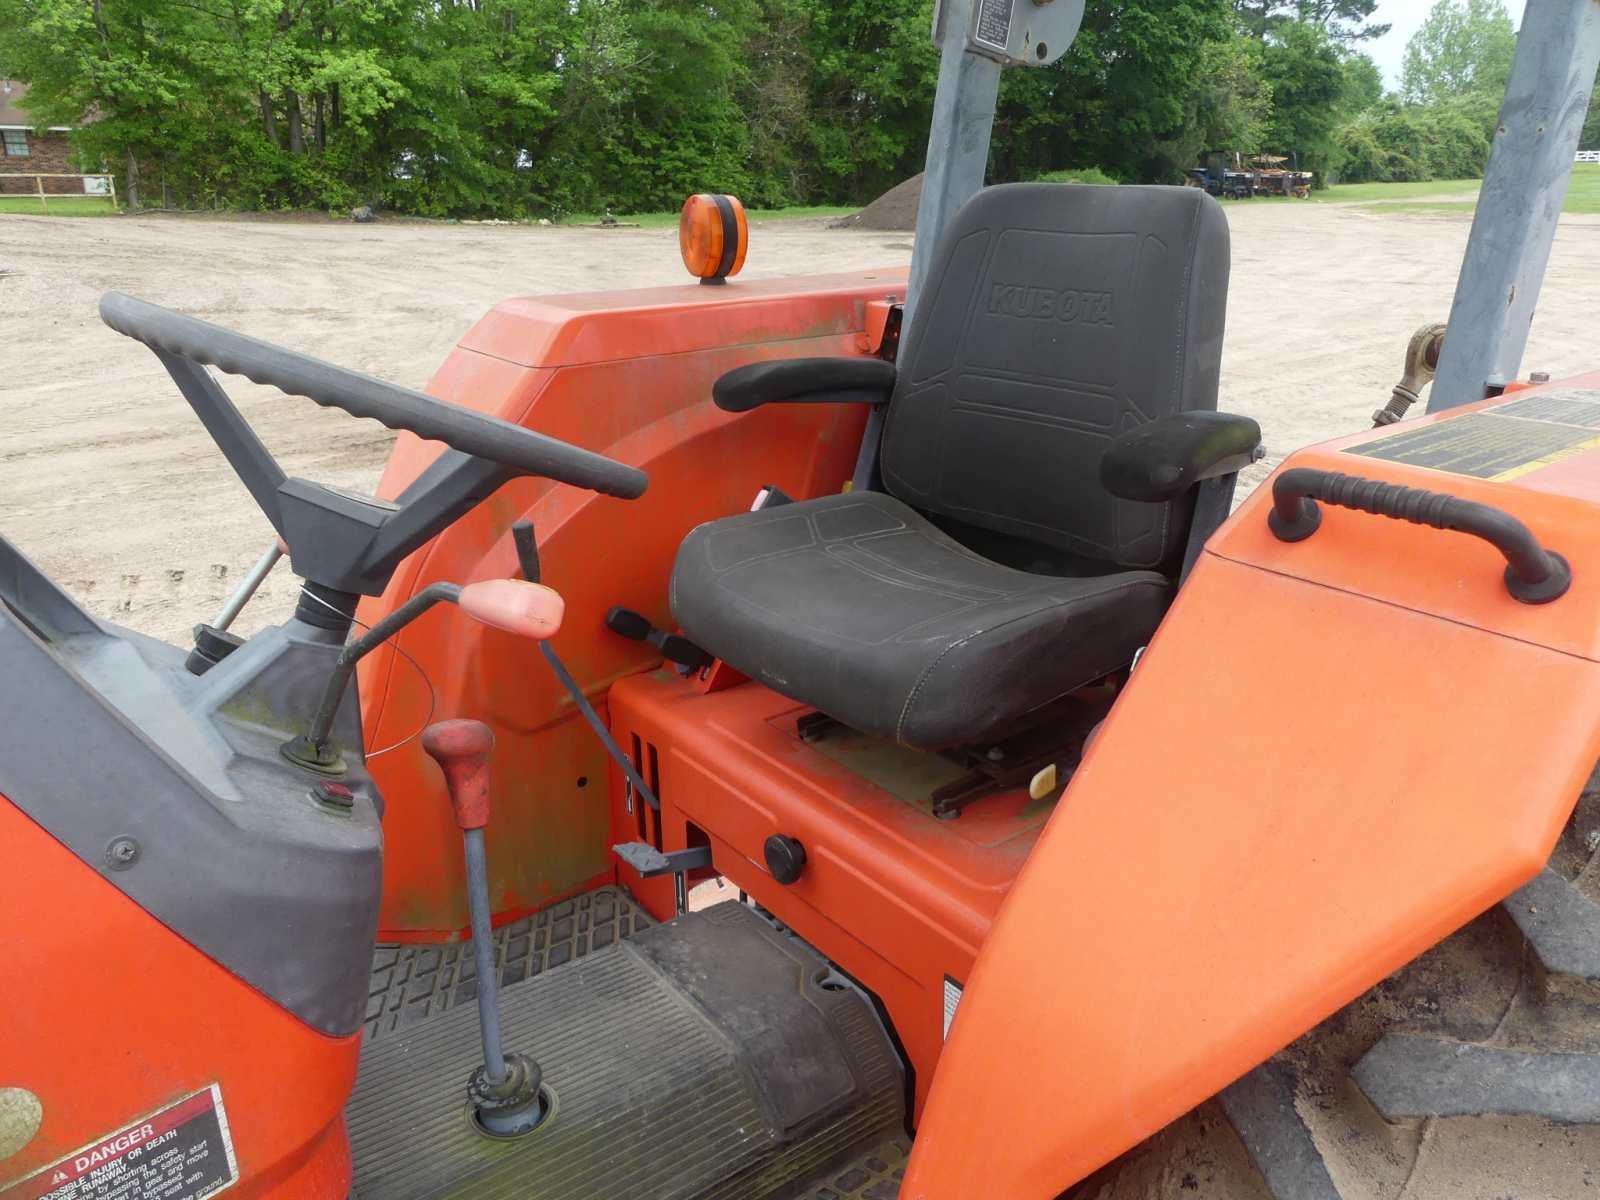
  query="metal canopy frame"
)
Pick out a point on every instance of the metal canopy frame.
point(1524, 187)
point(958, 140)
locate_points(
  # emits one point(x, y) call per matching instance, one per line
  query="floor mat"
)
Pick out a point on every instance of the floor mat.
point(712, 1057)
point(873, 1173)
point(413, 982)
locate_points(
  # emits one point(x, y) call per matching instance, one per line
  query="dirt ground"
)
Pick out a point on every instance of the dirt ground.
point(110, 484)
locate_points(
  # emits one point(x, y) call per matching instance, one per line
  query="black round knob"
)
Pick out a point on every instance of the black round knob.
point(786, 858)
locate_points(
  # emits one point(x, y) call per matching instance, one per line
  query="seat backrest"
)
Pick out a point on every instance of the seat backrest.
point(1058, 316)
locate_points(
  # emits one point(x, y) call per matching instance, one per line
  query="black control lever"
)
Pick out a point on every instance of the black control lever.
point(527, 545)
point(637, 627)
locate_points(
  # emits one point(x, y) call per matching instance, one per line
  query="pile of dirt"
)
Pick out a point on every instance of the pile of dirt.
point(895, 209)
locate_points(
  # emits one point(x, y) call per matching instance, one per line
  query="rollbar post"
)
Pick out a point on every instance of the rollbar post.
point(1524, 187)
point(958, 157)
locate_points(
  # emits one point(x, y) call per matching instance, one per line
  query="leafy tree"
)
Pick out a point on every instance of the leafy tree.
point(1342, 20)
point(1590, 138)
point(1464, 46)
point(1301, 63)
point(1363, 83)
point(1396, 142)
point(1121, 98)
point(80, 58)
point(517, 107)
point(870, 93)
point(1230, 106)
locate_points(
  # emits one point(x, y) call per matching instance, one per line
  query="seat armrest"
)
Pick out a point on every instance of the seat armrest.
point(1166, 457)
point(805, 381)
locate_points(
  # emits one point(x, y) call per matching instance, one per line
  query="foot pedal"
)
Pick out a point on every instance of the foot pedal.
point(637, 627)
point(648, 862)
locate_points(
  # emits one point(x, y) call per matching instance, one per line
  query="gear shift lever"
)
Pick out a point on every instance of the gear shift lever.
point(504, 1091)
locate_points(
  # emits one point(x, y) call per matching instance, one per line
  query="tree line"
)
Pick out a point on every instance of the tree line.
point(544, 107)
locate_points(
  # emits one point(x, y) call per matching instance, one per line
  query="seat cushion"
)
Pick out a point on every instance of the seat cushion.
point(859, 606)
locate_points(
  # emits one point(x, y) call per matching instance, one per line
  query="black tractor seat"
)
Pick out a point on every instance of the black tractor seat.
point(1058, 392)
point(860, 605)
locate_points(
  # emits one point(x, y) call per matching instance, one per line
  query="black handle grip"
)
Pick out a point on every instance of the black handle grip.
point(1533, 575)
point(475, 433)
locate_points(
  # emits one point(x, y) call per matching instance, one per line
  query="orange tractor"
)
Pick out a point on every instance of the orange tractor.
point(1051, 800)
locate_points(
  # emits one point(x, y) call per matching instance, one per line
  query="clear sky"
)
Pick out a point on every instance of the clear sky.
point(1405, 16)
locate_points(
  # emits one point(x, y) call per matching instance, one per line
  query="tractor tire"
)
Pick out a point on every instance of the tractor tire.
point(1473, 1073)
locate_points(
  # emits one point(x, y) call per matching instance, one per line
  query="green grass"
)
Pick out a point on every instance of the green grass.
point(1396, 191)
point(664, 220)
point(1426, 206)
point(1583, 194)
point(60, 206)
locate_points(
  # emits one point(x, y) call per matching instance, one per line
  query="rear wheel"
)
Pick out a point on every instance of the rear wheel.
point(1471, 1074)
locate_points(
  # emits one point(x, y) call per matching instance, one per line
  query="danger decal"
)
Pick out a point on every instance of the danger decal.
point(183, 1152)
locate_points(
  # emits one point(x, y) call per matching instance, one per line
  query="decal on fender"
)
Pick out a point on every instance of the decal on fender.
point(181, 1152)
point(1500, 442)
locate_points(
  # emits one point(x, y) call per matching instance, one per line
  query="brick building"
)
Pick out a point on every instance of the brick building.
point(24, 148)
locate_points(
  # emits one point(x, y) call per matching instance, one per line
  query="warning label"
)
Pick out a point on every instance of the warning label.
point(183, 1152)
point(993, 24)
point(1501, 442)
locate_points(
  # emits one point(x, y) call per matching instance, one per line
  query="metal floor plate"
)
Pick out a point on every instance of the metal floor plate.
point(410, 983)
point(712, 1058)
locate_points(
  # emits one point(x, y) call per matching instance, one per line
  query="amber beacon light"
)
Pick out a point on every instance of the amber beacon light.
point(713, 234)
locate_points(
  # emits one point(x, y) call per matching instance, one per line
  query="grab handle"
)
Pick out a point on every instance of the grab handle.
point(1534, 575)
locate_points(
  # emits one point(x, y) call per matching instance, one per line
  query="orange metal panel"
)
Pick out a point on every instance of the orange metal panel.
point(115, 1016)
point(627, 374)
point(1333, 754)
point(893, 895)
point(592, 327)
point(1450, 574)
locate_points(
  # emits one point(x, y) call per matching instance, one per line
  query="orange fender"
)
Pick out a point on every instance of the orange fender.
point(1333, 754)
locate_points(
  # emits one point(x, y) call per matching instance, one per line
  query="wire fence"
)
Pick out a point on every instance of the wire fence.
point(89, 186)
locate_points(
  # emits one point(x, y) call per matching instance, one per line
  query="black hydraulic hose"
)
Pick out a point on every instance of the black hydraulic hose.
point(1534, 575)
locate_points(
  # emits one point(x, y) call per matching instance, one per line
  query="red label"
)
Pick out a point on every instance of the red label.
point(183, 1152)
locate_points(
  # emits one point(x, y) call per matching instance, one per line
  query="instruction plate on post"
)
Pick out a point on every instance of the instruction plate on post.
point(991, 24)
point(183, 1152)
point(1019, 33)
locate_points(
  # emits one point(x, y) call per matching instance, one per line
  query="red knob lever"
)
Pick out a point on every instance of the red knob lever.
point(461, 748)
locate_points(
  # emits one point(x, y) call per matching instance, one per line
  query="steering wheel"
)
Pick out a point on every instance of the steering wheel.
point(344, 542)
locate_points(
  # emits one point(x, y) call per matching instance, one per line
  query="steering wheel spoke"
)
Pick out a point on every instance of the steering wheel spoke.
point(343, 542)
